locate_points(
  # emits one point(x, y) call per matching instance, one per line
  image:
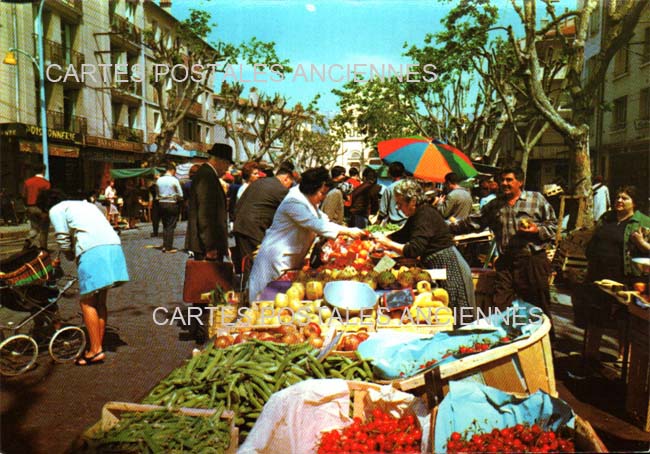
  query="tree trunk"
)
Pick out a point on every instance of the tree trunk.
point(581, 174)
point(525, 154)
point(163, 141)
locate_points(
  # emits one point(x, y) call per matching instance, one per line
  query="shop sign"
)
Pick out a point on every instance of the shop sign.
point(112, 144)
point(63, 151)
point(21, 130)
point(109, 156)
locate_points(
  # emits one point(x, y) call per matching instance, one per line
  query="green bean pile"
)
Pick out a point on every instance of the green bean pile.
point(161, 431)
point(244, 376)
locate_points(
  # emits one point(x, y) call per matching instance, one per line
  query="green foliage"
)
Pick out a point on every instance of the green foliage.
point(256, 51)
point(372, 109)
point(185, 45)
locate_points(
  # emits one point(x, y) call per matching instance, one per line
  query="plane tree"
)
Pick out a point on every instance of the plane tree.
point(192, 64)
point(262, 125)
point(566, 105)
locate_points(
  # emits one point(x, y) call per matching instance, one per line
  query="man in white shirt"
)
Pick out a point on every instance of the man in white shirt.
point(170, 194)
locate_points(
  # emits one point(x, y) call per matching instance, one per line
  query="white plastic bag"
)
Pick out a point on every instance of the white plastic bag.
point(293, 419)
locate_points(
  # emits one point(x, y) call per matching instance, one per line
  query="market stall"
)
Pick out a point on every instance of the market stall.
point(635, 372)
point(370, 345)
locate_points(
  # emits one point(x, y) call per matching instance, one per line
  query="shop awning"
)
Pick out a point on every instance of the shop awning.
point(182, 153)
point(176, 149)
point(137, 172)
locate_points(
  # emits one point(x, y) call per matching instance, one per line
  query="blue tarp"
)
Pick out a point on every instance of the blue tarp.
point(469, 408)
point(400, 358)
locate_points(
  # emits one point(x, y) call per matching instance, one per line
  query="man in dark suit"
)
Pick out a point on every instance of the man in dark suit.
point(207, 223)
point(256, 207)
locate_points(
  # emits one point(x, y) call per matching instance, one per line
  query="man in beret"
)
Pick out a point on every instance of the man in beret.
point(207, 223)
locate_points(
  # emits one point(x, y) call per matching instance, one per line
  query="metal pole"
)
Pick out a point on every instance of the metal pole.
point(41, 72)
point(13, 11)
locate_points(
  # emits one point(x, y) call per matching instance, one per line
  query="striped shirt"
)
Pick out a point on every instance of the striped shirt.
point(503, 219)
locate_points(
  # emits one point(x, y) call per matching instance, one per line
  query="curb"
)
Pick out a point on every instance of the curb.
point(14, 232)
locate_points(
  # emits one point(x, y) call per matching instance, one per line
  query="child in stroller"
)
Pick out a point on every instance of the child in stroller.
point(31, 284)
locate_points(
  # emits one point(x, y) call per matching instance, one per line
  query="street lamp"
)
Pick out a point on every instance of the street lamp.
point(10, 59)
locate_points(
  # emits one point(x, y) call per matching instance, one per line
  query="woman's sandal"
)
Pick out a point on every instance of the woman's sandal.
point(90, 360)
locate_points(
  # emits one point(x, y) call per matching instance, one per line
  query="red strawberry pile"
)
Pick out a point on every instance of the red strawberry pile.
point(382, 433)
point(518, 438)
point(477, 347)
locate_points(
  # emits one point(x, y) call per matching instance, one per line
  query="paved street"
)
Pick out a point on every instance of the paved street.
point(44, 410)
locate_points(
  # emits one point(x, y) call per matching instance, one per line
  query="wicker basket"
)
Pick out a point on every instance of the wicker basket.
point(524, 366)
point(33, 267)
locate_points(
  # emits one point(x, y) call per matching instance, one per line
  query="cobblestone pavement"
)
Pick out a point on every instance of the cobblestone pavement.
point(44, 410)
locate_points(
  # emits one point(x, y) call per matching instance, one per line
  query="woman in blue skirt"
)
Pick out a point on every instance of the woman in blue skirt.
point(84, 234)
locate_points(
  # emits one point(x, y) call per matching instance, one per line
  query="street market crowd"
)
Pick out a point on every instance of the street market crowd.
point(277, 215)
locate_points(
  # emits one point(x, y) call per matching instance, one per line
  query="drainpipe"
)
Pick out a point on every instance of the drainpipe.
point(17, 67)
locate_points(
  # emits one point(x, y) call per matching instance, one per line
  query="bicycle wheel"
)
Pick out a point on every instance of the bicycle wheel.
point(17, 354)
point(67, 344)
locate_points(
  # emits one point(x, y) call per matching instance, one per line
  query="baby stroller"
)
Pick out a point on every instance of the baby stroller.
point(31, 284)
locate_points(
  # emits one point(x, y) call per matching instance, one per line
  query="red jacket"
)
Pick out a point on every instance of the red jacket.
point(32, 187)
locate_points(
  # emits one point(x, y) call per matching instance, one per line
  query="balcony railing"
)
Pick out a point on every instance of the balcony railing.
point(74, 4)
point(195, 110)
point(63, 56)
point(127, 92)
point(129, 134)
point(72, 8)
point(63, 122)
point(125, 29)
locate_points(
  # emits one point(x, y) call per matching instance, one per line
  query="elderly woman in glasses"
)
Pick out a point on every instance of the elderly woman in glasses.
point(426, 236)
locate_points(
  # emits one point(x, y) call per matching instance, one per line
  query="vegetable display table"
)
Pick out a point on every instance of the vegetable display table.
point(637, 402)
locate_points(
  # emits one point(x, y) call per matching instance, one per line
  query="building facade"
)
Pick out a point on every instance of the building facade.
point(620, 124)
point(353, 150)
point(98, 116)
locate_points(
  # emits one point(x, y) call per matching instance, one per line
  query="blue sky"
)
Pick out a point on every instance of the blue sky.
point(332, 32)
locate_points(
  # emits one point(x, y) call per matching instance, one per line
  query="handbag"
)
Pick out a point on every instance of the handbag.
point(202, 276)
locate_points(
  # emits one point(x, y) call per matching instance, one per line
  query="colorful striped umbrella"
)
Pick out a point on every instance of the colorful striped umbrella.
point(427, 159)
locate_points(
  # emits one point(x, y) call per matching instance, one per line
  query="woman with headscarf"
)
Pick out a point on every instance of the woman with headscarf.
point(296, 223)
point(426, 236)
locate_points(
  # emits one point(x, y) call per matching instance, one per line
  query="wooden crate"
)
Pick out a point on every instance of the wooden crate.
point(218, 318)
point(111, 412)
point(358, 392)
point(637, 401)
point(585, 437)
point(484, 280)
point(524, 366)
